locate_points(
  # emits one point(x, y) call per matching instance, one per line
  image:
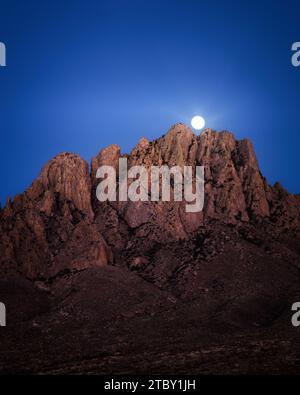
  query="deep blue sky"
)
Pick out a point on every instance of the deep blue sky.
point(81, 75)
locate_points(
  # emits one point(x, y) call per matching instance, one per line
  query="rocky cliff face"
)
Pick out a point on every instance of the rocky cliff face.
point(58, 226)
point(142, 288)
point(49, 229)
point(235, 192)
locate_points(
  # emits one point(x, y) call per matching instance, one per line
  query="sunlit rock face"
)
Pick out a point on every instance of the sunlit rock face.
point(58, 225)
point(49, 229)
point(90, 285)
point(235, 190)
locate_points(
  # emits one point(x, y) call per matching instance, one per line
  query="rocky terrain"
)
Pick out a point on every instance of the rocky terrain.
point(144, 287)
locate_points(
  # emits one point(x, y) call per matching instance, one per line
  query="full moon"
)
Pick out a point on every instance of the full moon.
point(198, 122)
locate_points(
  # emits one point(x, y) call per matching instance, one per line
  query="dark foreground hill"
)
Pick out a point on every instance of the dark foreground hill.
point(124, 287)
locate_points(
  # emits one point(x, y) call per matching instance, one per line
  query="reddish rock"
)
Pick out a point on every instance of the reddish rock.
point(58, 224)
point(221, 281)
point(49, 229)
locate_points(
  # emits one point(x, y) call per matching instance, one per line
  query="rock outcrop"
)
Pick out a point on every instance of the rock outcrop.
point(145, 287)
point(49, 229)
point(235, 191)
point(58, 225)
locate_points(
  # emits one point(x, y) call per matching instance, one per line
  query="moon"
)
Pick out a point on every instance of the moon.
point(198, 122)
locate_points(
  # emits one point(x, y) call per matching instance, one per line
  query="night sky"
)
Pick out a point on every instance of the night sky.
point(82, 75)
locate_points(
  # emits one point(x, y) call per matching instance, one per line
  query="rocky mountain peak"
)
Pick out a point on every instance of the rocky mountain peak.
point(143, 143)
point(108, 156)
point(87, 283)
point(58, 224)
point(66, 178)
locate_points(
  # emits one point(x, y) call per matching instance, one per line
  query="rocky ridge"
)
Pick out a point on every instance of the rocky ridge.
point(146, 288)
point(58, 225)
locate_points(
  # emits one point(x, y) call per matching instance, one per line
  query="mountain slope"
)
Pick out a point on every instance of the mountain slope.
point(108, 284)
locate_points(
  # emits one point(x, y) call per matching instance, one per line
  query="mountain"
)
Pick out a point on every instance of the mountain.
point(120, 287)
